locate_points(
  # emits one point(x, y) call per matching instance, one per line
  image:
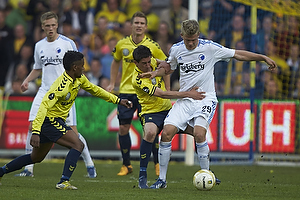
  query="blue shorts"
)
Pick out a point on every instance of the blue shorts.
point(125, 115)
point(53, 129)
point(156, 118)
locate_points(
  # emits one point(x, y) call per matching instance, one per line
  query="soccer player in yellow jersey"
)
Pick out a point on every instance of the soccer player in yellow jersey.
point(123, 55)
point(155, 104)
point(49, 125)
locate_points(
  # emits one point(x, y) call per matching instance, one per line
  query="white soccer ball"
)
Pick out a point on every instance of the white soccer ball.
point(204, 180)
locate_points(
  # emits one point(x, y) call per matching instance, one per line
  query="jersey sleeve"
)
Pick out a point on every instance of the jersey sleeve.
point(98, 91)
point(158, 53)
point(172, 58)
point(117, 51)
point(37, 63)
point(222, 53)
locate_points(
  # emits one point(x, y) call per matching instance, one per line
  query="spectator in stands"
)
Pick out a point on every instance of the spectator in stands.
point(264, 34)
point(20, 38)
point(281, 75)
point(107, 59)
point(126, 29)
point(16, 14)
point(296, 91)
point(237, 31)
point(130, 7)
point(95, 74)
point(99, 47)
point(152, 18)
point(220, 19)
point(6, 50)
point(34, 10)
point(114, 16)
point(293, 62)
point(84, 48)
point(240, 82)
point(163, 37)
point(103, 32)
point(272, 90)
point(174, 15)
point(204, 15)
point(25, 56)
point(14, 86)
point(80, 20)
point(286, 34)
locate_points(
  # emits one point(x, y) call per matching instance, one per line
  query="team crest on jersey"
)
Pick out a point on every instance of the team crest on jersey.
point(58, 50)
point(125, 52)
point(153, 81)
point(51, 96)
point(201, 56)
point(68, 96)
point(146, 89)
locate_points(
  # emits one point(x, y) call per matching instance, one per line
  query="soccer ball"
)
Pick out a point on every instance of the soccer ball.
point(204, 180)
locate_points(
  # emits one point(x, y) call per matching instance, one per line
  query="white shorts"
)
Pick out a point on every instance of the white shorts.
point(191, 112)
point(71, 119)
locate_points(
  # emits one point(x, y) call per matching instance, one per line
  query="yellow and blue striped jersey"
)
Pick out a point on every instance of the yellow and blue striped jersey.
point(145, 88)
point(123, 50)
point(62, 94)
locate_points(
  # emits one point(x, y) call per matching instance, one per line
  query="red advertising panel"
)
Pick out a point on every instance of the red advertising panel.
point(277, 127)
point(235, 126)
point(15, 128)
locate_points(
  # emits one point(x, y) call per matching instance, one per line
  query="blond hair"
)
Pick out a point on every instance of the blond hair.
point(189, 27)
point(48, 15)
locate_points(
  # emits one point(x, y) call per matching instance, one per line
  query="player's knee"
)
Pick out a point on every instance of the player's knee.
point(79, 146)
point(150, 136)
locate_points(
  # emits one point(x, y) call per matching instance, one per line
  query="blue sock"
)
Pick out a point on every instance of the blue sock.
point(125, 145)
point(145, 152)
point(155, 147)
point(16, 164)
point(70, 164)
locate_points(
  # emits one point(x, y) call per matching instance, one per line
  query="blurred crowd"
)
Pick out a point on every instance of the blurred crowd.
point(97, 25)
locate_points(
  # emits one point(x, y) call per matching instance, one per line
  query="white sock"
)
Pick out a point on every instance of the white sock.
point(164, 153)
point(85, 153)
point(203, 154)
point(28, 150)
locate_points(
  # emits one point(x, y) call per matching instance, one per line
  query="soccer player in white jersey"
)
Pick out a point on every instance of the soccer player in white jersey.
point(195, 58)
point(48, 56)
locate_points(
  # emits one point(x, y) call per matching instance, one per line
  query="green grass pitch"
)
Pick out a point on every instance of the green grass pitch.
point(238, 182)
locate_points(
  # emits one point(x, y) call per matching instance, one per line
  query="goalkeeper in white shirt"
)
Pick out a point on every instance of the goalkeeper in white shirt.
point(196, 59)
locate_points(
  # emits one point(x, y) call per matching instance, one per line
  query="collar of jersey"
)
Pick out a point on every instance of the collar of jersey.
point(67, 76)
point(145, 37)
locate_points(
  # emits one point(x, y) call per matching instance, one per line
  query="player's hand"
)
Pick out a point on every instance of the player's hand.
point(166, 66)
point(35, 141)
point(149, 75)
point(196, 95)
point(126, 103)
point(110, 87)
point(272, 64)
point(24, 86)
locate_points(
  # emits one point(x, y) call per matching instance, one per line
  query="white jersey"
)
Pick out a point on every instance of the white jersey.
point(48, 56)
point(197, 65)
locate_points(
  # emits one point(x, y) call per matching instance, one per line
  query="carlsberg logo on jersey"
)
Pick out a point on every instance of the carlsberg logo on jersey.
point(194, 67)
point(51, 61)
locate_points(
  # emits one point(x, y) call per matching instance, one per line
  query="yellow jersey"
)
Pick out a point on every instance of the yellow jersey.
point(58, 101)
point(123, 51)
point(145, 88)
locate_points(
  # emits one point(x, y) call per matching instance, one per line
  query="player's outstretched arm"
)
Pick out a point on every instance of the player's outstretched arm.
point(250, 56)
point(193, 93)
